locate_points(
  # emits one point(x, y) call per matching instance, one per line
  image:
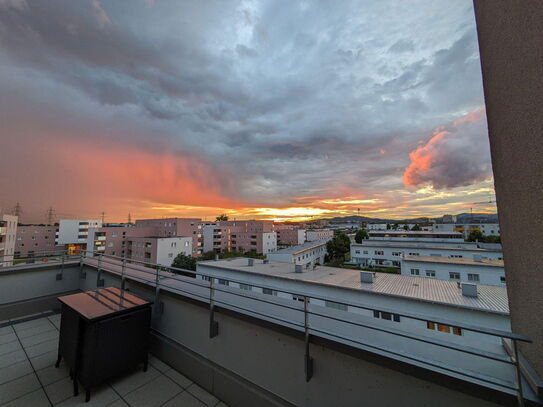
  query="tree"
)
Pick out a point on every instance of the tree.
point(338, 247)
point(361, 234)
point(223, 216)
point(405, 227)
point(475, 236)
point(416, 228)
point(183, 261)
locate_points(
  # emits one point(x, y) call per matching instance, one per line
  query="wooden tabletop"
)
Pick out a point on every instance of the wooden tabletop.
point(104, 302)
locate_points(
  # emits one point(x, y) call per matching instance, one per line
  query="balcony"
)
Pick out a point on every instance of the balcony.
point(256, 345)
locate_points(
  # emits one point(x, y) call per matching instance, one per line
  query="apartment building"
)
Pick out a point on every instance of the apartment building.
point(245, 236)
point(487, 229)
point(157, 249)
point(33, 240)
point(307, 254)
point(112, 240)
point(72, 234)
point(8, 234)
point(417, 236)
point(290, 235)
point(319, 234)
point(380, 253)
point(474, 270)
point(178, 227)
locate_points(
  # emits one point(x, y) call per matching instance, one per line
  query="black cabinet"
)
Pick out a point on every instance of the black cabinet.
point(103, 334)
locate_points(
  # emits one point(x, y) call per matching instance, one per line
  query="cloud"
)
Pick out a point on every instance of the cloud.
point(456, 155)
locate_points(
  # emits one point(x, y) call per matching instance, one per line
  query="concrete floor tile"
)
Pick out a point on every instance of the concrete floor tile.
point(10, 347)
point(35, 399)
point(158, 364)
point(154, 393)
point(126, 384)
point(52, 374)
point(61, 390)
point(11, 358)
point(184, 399)
point(118, 403)
point(8, 337)
point(15, 371)
point(42, 361)
point(41, 348)
point(6, 330)
point(40, 338)
point(102, 396)
point(35, 323)
point(25, 333)
point(203, 395)
point(19, 387)
point(177, 377)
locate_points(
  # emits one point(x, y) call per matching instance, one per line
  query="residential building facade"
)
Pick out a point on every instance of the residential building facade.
point(307, 254)
point(8, 235)
point(319, 234)
point(158, 250)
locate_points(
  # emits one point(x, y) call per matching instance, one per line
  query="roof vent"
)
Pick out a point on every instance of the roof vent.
point(366, 277)
point(469, 290)
point(265, 261)
point(298, 268)
point(477, 257)
point(250, 262)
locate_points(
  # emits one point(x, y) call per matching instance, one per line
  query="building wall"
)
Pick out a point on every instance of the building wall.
point(75, 231)
point(178, 227)
point(511, 58)
point(167, 248)
point(311, 255)
point(36, 239)
point(486, 229)
point(291, 236)
point(269, 243)
point(488, 275)
point(258, 236)
point(319, 234)
point(8, 236)
point(391, 256)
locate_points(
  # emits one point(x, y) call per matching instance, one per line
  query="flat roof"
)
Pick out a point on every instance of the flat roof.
point(412, 232)
point(490, 298)
point(416, 245)
point(301, 247)
point(448, 260)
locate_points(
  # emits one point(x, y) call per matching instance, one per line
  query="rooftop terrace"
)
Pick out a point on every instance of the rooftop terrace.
point(28, 377)
point(462, 260)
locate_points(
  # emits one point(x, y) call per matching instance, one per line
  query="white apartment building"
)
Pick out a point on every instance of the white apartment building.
point(387, 310)
point(487, 229)
point(8, 235)
point(390, 253)
point(319, 234)
point(474, 270)
point(309, 253)
point(73, 233)
point(417, 236)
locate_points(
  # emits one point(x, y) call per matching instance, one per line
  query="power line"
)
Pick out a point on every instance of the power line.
point(103, 216)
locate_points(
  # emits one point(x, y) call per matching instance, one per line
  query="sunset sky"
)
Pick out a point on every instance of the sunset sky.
point(259, 109)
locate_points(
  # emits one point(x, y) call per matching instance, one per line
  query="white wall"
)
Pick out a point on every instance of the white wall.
point(269, 242)
point(311, 255)
point(168, 248)
point(319, 234)
point(68, 230)
point(489, 275)
point(6, 256)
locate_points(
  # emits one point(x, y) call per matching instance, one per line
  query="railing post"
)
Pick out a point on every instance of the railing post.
point(99, 279)
point(520, 395)
point(159, 306)
point(308, 365)
point(82, 274)
point(59, 275)
point(213, 325)
point(122, 274)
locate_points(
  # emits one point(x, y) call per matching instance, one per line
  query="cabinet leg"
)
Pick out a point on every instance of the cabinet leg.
point(76, 390)
point(87, 396)
point(145, 365)
point(59, 358)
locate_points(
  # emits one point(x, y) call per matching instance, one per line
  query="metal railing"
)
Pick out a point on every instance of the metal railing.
point(208, 289)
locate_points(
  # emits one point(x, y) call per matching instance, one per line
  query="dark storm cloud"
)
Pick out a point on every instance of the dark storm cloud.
point(302, 97)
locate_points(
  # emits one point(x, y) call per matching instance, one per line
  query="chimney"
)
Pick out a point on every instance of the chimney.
point(366, 277)
point(477, 257)
point(250, 262)
point(469, 290)
point(298, 268)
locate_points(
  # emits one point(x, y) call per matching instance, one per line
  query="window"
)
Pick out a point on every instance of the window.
point(397, 254)
point(502, 279)
point(444, 328)
point(223, 282)
point(206, 278)
point(335, 305)
point(415, 272)
point(365, 252)
point(170, 255)
point(454, 276)
point(414, 254)
point(357, 251)
point(386, 315)
point(473, 277)
point(114, 234)
point(299, 298)
point(379, 252)
point(455, 256)
point(430, 273)
point(246, 287)
point(269, 291)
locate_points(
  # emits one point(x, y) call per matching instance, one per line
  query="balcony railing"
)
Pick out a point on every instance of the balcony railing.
point(495, 366)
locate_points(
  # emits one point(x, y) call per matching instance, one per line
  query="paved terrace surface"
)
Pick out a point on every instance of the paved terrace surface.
point(28, 377)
